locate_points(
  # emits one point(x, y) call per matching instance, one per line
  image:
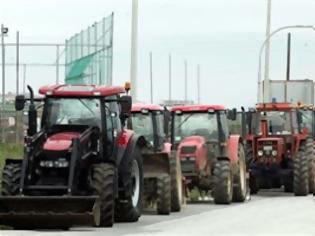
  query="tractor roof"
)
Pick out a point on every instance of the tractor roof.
point(151, 107)
point(80, 90)
point(274, 107)
point(192, 108)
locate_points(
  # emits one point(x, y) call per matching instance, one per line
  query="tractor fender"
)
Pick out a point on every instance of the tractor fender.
point(233, 144)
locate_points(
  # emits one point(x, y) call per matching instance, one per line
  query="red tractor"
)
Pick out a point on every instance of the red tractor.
point(211, 158)
point(161, 170)
point(80, 166)
point(279, 148)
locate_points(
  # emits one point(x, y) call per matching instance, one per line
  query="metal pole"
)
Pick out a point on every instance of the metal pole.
point(57, 65)
point(17, 61)
point(267, 54)
point(170, 77)
point(3, 82)
point(186, 97)
point(24, 78)
point(288, 67)
point(17, 136)
point(289, 56)
point(3, 66)
point(198, 82)
point(134, 49)
point(151, 78)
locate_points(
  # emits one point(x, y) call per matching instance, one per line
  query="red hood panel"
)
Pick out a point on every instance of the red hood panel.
point(60, 141)
point(192, 141)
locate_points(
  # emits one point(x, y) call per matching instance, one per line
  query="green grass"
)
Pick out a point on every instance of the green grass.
point(10, 151)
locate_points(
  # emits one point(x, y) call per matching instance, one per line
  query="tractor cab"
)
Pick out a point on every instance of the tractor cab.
point(207, 123)
point(148, 120)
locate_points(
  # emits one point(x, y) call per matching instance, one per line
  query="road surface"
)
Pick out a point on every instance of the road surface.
point(269, 213)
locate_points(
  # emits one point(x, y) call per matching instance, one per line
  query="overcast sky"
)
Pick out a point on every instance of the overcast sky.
point(223, 36)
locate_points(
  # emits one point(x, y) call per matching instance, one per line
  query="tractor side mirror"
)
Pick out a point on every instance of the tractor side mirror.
point(125, 103)
point(19, 102)
point(232, 114)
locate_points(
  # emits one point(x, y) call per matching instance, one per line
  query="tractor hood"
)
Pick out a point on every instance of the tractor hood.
point(60, 141)
point(191, 144)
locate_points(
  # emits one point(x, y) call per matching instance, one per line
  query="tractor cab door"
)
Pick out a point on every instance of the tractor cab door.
point(159, 132)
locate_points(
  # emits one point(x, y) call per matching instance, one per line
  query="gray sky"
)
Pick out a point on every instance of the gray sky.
point(223, 36)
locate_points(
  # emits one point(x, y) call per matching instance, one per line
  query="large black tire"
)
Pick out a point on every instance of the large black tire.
point(311, 155)
point(222, 182)
point(163, 195)
point(103, 179)
point(301, 172)
point(176, 186)
point(240, 183)
point(128, 208)
point(11, 177)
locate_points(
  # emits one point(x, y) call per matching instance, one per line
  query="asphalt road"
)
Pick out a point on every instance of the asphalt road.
point(269, 213)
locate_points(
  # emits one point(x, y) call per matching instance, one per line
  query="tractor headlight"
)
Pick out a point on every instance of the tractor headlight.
point(260, 153)
point(61, 163)
point(274, 153)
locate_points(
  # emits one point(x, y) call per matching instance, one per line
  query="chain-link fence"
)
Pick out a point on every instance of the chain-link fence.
point(89, 54)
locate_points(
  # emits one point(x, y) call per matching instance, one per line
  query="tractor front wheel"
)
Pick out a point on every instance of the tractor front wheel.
point(301, 172)
point(164, 195)
point(310, 149)
point(103, 179)
point(240, 189)
point(11, 177)
point(176, 186)
point(223, 182)
point(129, 208)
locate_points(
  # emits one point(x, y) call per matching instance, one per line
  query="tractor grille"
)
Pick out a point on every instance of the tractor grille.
point(188, 167)
point(188, 149)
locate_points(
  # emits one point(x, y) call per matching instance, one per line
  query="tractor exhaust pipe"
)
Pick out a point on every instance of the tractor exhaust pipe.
point(32, 114)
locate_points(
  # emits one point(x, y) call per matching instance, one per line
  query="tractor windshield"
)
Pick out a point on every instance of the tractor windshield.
point(279, 122)
point(143, 124)
point(201, 124)
point(73, 111)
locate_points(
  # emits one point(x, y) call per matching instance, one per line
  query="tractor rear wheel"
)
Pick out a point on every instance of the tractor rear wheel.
point(240, 183)
point(163, 195)
point(103, 179)
point(301, 172)
point(129, 208)
point(176, 186)
point(11, 177)
point(311, 155)
point(223, 182)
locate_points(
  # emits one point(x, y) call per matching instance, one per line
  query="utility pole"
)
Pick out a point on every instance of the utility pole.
point(198, 83)
point(17, 128)
point(186, 97)
point(169, 77)
point(151, 79)
point(288, 67)
point(57, 62)
point(17, 62)
point(24, 78)
point(134, 49)
point(4, 31)
point(267, 55)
